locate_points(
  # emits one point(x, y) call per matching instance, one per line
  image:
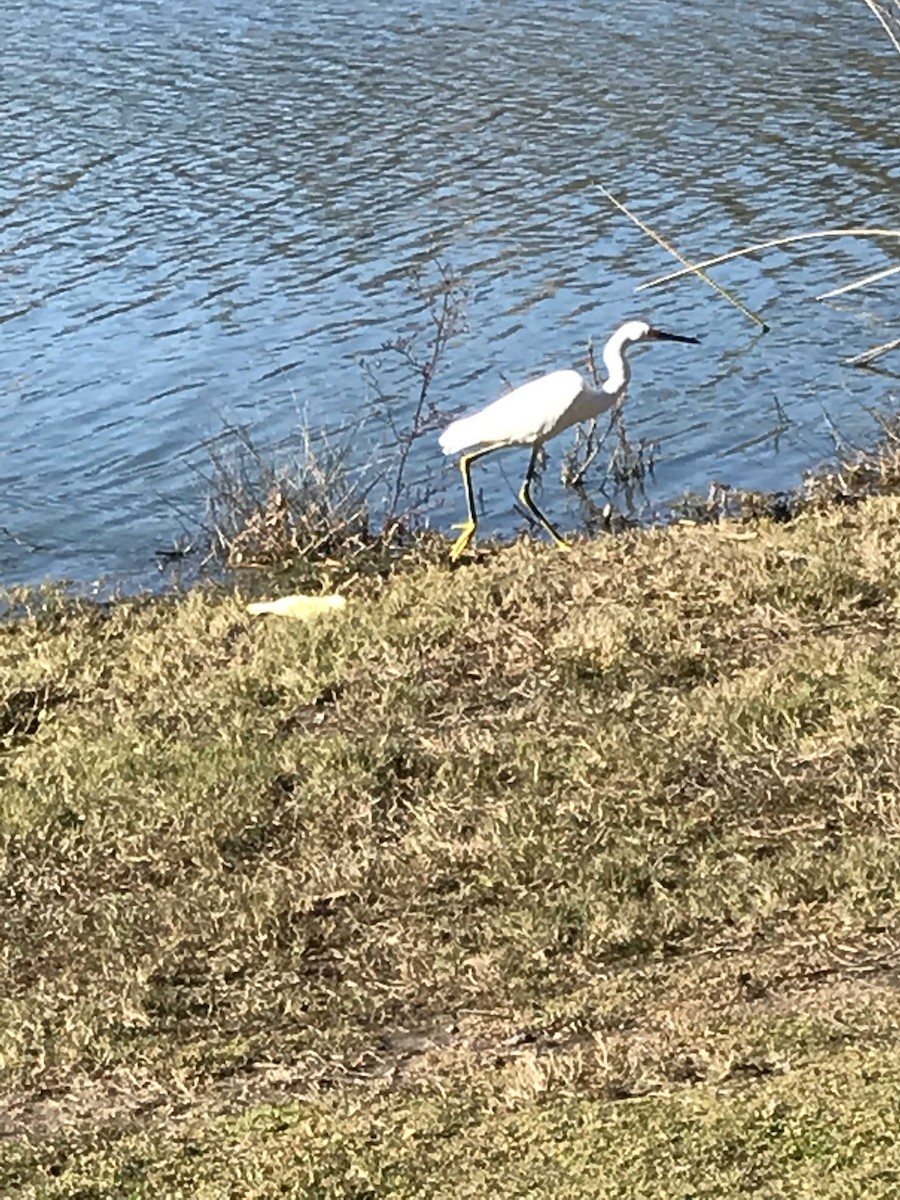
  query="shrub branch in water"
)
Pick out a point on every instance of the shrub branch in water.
point(420, 352)
point(322, 503)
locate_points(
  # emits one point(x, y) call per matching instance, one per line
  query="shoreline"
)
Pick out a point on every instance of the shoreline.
point(871, 472)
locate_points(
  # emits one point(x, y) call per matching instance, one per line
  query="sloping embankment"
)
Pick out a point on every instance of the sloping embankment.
point(570, 875)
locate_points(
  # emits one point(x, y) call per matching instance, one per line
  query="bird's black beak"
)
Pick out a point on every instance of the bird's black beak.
point(660, 335)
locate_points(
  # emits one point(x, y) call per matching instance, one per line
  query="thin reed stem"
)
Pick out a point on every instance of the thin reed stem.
point(772, 243)
point(661, 241)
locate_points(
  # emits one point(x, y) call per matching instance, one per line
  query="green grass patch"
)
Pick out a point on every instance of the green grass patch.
point(557, 874)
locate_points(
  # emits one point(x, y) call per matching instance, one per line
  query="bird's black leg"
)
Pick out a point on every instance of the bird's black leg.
point(525, 497)
point(469, 526)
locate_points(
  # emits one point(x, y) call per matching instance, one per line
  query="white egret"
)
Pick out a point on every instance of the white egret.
point(534, 413)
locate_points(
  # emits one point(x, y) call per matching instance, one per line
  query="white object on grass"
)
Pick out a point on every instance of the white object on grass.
point(299, 607)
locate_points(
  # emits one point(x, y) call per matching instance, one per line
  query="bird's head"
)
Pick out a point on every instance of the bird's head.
point(641, 331)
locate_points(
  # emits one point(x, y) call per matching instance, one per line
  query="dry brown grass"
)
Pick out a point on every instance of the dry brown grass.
point(550, 862)
point(266, 514)
point(856, 476)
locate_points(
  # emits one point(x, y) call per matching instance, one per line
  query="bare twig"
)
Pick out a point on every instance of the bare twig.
point(588, 442)
point(586, 450)
point(445, 303)
point(627, 466)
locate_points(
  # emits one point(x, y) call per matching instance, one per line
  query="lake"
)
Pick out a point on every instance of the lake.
point(212, 213)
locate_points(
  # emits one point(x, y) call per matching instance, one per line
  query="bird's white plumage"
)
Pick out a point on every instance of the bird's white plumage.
point(534, 412)
point(537, 411)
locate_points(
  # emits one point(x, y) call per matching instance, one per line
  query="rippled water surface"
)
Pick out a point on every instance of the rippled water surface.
point(208, 213)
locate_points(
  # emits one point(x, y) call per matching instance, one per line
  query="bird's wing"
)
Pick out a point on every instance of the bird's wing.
point(531, 413)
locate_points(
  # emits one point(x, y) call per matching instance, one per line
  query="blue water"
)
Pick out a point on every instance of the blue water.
point(210, 214)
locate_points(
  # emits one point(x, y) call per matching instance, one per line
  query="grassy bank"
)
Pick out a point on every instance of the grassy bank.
point(558, 874)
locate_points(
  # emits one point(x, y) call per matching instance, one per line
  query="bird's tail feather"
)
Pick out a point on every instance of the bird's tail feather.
point(457, 436)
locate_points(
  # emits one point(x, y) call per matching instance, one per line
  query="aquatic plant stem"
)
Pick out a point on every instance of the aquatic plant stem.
point(660, 240)
point(772, 243)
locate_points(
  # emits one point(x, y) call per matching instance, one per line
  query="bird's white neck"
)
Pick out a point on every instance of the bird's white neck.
point(618, 372)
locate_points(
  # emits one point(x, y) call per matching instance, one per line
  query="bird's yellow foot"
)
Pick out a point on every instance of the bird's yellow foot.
point(461, 545)
point(558, 540)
